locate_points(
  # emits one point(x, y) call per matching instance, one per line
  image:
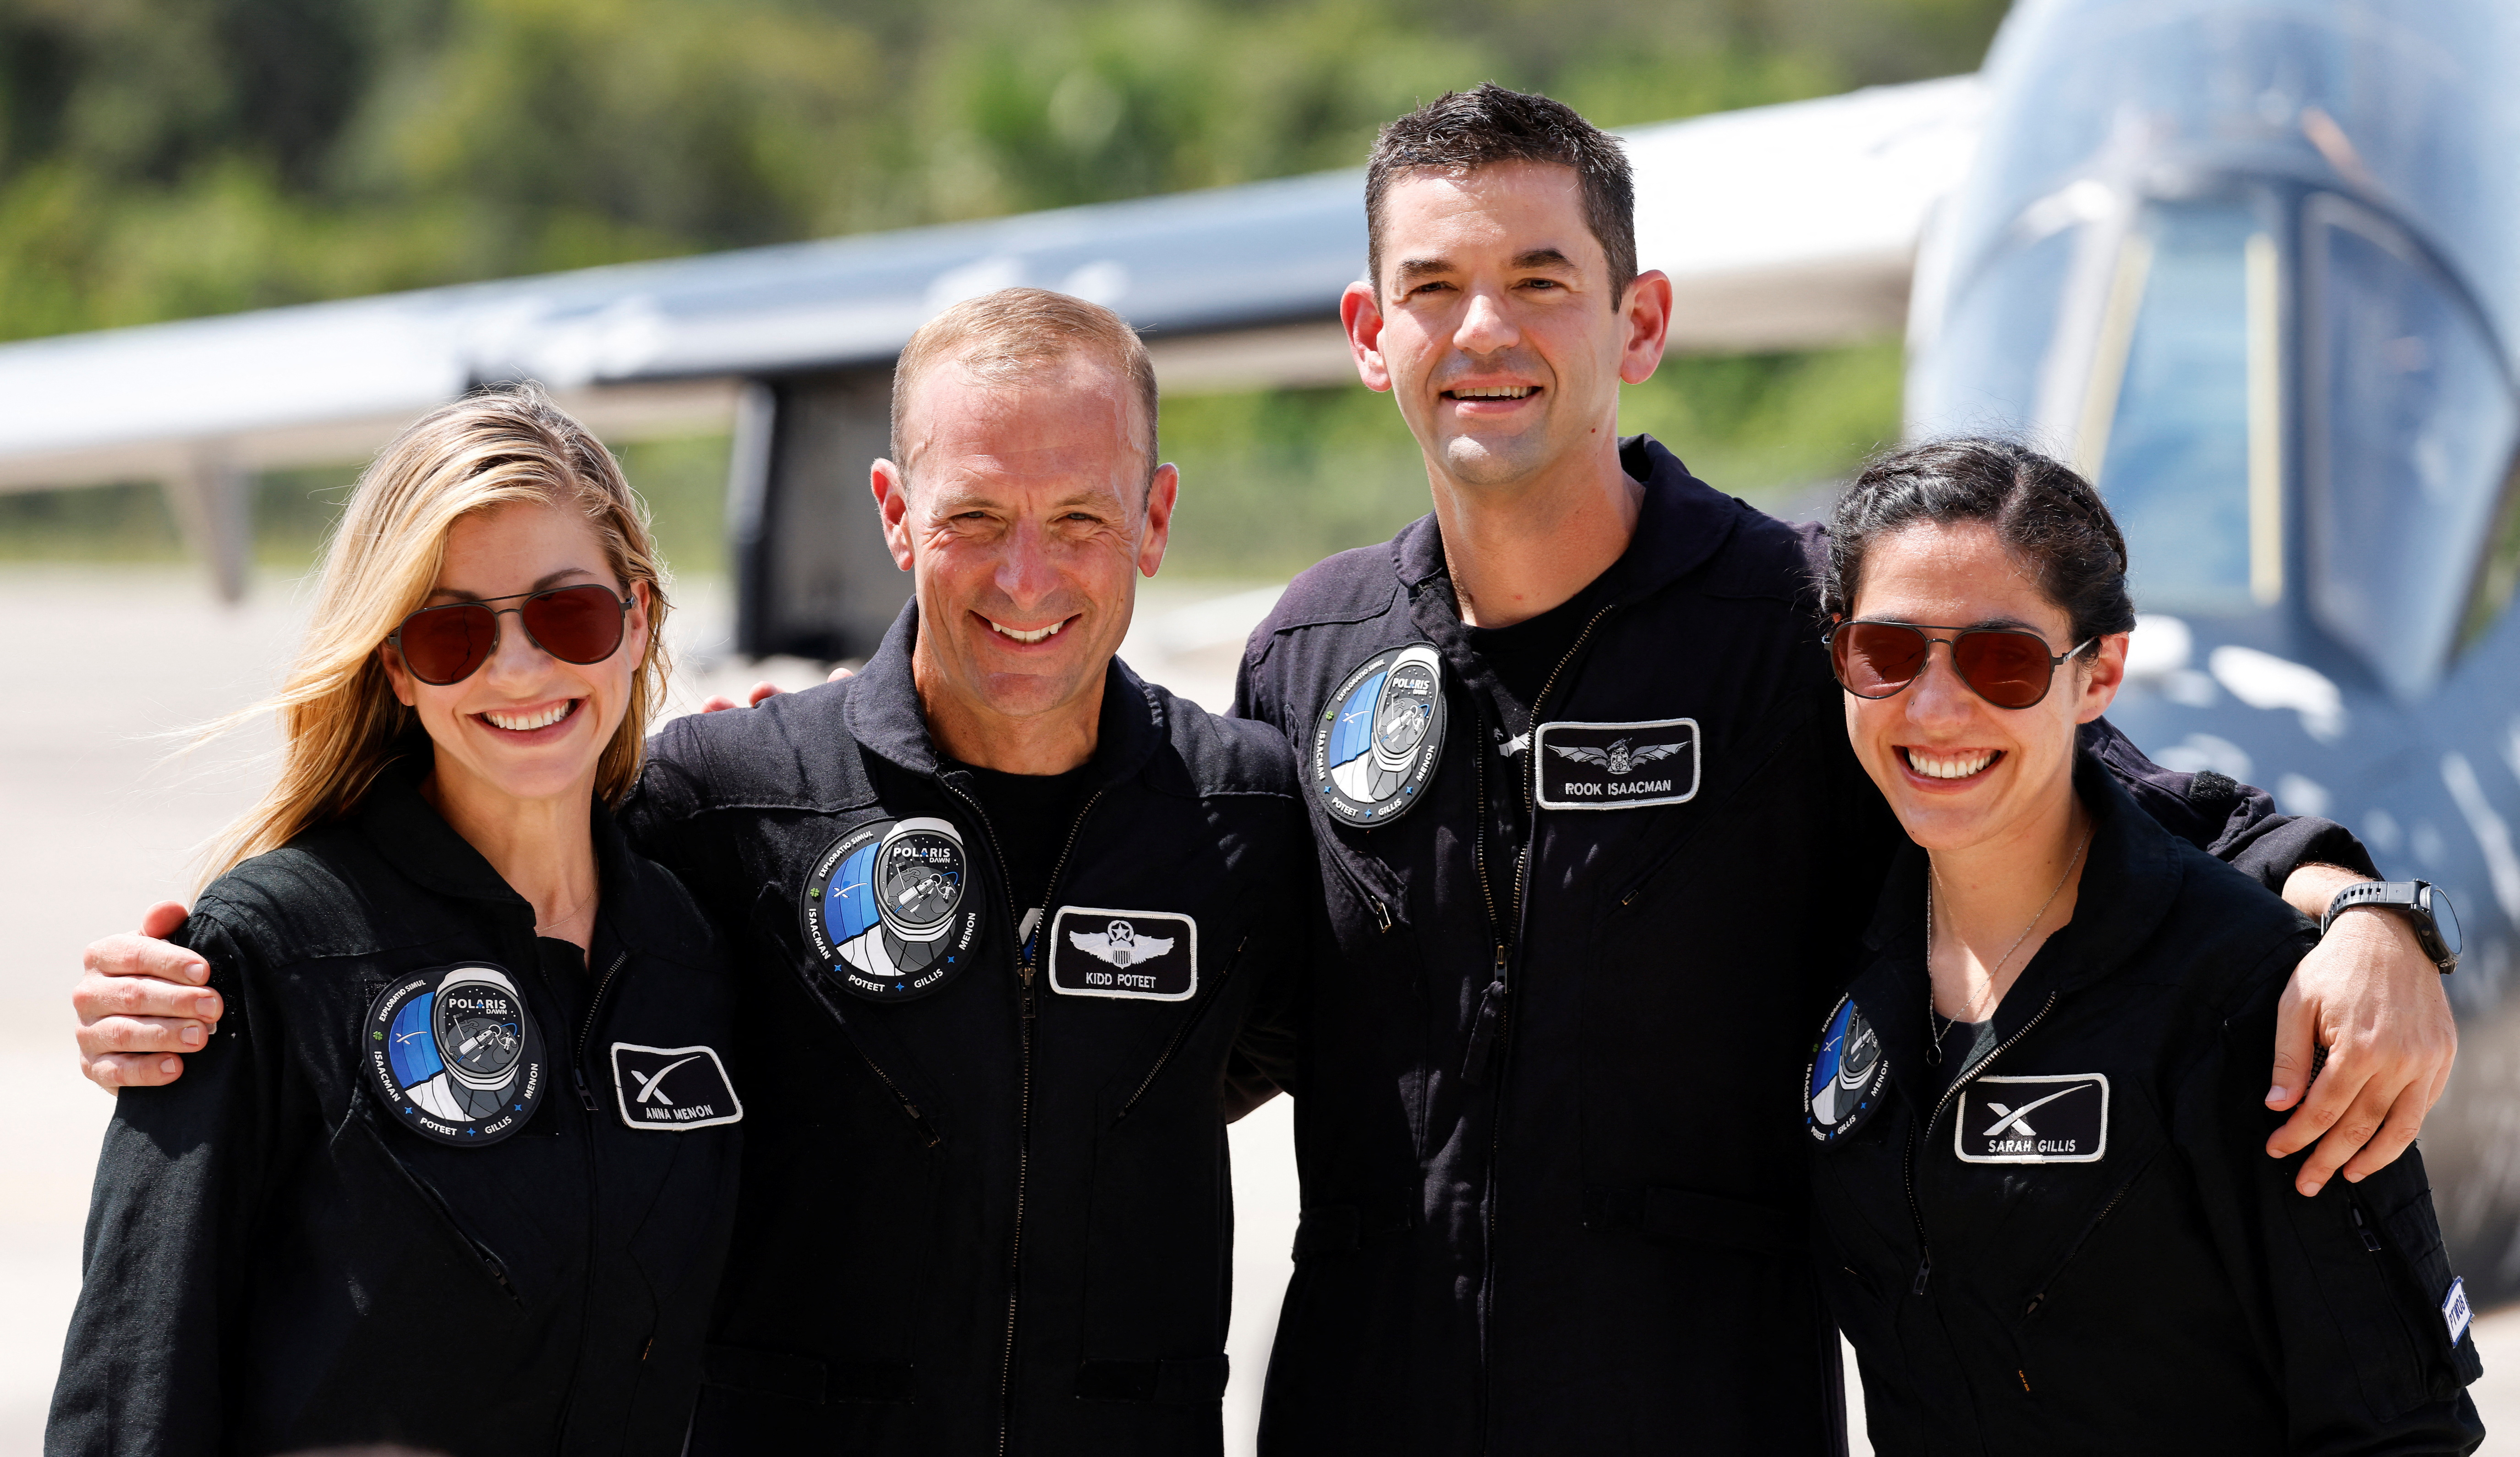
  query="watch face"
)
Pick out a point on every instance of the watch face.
point(2445, 918)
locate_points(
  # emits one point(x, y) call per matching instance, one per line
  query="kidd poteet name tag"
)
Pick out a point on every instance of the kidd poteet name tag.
point(1147, 956)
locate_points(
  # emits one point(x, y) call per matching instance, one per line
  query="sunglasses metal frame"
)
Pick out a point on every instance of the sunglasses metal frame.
point(394, 637)
point(1926, 631)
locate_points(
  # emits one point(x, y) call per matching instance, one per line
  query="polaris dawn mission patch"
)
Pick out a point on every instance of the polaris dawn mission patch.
point(1381, 735)
point(892, 908)
point(455, 1054)
point(1848, 1075)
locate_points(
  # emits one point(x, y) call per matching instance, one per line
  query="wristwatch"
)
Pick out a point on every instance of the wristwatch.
point(2421, 902)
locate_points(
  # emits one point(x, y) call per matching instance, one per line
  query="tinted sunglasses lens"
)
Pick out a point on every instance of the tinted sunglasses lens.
point(1875, 659)
point(575, 625)
point(443, 645)
point(2008, 669)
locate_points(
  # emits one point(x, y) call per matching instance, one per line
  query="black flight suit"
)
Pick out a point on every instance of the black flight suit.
point(998, 1216)
point(275, 1260)
point(1553, 1183)
point(2078, 1245)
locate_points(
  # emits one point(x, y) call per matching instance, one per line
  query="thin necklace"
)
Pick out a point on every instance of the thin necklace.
point(565, 917)
point(1941, 1025)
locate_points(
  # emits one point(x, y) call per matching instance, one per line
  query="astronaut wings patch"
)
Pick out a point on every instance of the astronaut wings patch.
point(1147, 956)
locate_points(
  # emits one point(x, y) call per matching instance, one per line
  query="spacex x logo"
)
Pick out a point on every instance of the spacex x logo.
point(2057, 1118)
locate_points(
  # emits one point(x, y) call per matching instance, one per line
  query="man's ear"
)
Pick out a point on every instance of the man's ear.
point(891, 488)
point(1360, 314)
point(1646, 311)
point(1161, 493)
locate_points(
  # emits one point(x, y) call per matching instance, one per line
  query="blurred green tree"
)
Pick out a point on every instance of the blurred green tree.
point(165, 158)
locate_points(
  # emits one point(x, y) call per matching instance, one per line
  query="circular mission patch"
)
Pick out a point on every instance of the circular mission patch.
point(1380, 737)
point(893, 909)
point(1847, 1074)
point(455, 1054)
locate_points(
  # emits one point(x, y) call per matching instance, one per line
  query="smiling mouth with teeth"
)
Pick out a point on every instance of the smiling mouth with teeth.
point(1952, 766)
point(1501, 392)
point(1035, 635)
point(526, 723)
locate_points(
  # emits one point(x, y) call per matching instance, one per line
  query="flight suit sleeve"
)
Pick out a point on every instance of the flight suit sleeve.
point(2233, 822)
point(178, 1184)
point(2348, 1288)
point(1285, 948)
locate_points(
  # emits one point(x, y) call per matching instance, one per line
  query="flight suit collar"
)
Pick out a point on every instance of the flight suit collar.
point(410, 836)
point(2130, 878)
point(1682, 524)
point(882, 713)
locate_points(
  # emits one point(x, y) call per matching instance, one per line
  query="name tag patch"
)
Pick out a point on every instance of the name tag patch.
point(2060, 1118)
point(1147, 956)
point(672, 1089)
point(2454, 1311)
point(1616, 765)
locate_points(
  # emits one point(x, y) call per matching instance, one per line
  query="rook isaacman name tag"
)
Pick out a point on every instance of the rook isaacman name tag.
point(1615, 766)
point(2058, 1118)
point(1146, 956)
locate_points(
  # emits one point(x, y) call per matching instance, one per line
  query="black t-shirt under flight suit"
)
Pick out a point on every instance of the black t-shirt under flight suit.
point(281, 1258)
point(996, 1215)
point(1555, 1186)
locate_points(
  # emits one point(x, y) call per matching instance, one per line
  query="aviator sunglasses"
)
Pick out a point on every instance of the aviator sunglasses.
point(445, 645)
point(2004, 665)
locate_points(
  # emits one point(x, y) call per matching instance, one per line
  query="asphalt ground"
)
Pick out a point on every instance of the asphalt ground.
point(104, 810)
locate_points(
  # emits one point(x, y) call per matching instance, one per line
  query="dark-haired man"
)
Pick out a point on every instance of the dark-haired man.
point(1597, 859)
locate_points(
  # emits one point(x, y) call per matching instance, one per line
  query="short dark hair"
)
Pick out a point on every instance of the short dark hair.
point(1487, 124)
point(2046, 514)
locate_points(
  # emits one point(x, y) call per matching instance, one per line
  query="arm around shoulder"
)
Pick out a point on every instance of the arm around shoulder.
point(2352, 1287)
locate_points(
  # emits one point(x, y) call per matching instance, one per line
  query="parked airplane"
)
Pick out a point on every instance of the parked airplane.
point(2255, 267)
point(2253, 263)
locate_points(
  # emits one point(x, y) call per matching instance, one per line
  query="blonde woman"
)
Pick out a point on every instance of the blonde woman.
point(457, 1167)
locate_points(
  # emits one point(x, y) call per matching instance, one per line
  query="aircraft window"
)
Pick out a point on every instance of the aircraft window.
point(2410, 446)
point(2181, 409)
point(1983, 378)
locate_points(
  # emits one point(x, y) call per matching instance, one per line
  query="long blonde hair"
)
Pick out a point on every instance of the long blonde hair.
point(339, 722)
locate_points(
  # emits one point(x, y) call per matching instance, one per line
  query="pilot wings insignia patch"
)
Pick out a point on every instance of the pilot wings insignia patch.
point(1615, 766)
point(1147, 956)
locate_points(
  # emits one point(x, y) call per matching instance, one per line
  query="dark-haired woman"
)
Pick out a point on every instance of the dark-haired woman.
point(2045, 1216)
point(458, 1171)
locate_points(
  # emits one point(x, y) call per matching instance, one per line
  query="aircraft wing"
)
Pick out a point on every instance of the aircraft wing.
point(1781, 226)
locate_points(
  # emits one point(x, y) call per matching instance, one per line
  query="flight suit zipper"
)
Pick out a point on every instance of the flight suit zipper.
point(1490, 1035)
point(594, 1186)
point(1907, 1169)
point(1025, 953)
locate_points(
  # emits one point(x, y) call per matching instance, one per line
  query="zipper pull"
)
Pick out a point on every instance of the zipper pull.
point(1483, 1031)
point(2371, 1241)
point(1384, 914)
point(585, 1094)
point(1023, 974)
point(1924, 1273)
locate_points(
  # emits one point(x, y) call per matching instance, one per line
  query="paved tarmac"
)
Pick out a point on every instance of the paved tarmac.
point(108, 667)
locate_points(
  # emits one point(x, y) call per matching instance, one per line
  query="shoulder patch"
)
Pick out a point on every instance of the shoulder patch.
point(672, 1089)
point(892, 908)
point(456, 1054)
point(1379, 737)
point(1146, 956)
point(1847, 1077)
